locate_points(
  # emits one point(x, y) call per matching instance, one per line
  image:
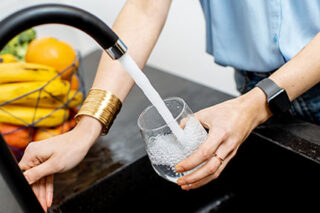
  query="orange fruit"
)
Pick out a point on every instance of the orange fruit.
point(18, 139)
point(74, 82)
point(53, 52)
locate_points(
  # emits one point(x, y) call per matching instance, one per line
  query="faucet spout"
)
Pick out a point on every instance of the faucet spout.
point(62, 14)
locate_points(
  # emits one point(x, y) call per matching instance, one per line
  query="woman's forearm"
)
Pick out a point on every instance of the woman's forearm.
point(302, 72)
point(139, 25)
point(296, 76)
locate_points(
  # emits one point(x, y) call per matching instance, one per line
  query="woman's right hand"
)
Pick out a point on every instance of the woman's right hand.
point(57, 154)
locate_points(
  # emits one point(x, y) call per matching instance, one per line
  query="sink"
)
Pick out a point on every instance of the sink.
point(254, 181)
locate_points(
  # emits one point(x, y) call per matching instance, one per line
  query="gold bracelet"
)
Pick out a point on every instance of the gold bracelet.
point(101, 105)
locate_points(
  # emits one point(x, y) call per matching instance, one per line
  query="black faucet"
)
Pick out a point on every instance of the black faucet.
point(28, 18)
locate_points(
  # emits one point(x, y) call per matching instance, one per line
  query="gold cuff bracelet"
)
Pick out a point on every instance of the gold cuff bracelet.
point(101, 105)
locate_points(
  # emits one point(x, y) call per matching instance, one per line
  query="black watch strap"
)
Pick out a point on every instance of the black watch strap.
point(277, 97)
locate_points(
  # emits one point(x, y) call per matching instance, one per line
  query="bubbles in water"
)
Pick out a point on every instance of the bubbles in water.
point(165, 150)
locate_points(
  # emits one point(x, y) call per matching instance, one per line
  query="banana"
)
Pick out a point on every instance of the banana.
point(75, 98)
point(22, 72)
point(7, 58)
point(24, 116)
point(53, 92)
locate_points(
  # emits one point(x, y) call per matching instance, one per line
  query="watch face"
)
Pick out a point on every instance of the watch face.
point(279, 102)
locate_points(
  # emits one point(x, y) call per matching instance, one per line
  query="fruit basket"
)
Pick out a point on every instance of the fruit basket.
point(40, 94)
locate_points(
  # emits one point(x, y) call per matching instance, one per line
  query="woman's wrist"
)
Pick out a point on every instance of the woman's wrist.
point(101, 105)
point(89, 128)
point(255, 103)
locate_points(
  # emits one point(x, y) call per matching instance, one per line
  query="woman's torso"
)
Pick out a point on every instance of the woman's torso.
point(259, 35)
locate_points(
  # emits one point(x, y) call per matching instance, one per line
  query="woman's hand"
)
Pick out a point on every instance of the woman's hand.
point(229, 124)
point(57, 154)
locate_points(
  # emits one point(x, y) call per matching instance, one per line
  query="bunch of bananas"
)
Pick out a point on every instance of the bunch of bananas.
point(37, 101)
point(32, 93)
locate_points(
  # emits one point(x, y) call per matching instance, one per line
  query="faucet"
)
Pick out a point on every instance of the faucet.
point(28, 18)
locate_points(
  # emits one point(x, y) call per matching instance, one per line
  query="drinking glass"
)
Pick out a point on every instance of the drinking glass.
point(163, 149)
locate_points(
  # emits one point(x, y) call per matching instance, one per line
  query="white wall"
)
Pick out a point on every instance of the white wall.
point(180, 50)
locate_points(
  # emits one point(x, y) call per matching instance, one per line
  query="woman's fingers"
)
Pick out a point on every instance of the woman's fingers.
point(49, 190)
point(203, 118)
point(35, 188)
point(30, 157)
point(205, 151)
point(211, 166)
point(183, 122)
point(201, 154)
point(211, 177)
point(38, 191)
point(36, 173)
point(226, 149)
point(28, 162)
point(200, 183)
point(42, 193)
point(43, 189)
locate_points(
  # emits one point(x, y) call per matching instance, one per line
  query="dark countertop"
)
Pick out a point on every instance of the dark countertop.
point(123, 145)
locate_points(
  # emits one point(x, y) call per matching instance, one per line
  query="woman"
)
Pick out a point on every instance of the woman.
point(260, 39)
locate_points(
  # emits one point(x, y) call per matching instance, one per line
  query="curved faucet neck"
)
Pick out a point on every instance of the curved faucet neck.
point(62, 14)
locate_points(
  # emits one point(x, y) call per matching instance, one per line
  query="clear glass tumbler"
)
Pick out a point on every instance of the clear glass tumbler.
point(163, 149)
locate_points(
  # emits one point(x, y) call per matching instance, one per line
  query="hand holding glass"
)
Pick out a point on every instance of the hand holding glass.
point(163, 149)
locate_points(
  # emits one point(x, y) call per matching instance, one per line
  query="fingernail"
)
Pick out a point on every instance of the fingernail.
point(181, 181)
point(179, 169)
point(185, 187)
point(49, 201)
point(27, 178)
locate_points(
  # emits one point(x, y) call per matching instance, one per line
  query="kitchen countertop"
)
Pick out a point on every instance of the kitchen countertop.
point(123, 145)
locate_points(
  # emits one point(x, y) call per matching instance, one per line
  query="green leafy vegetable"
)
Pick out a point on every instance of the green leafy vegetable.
point(18, 45)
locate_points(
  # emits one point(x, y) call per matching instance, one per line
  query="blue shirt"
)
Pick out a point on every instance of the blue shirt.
point(259, 35)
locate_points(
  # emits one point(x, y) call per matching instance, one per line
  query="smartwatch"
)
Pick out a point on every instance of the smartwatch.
point(277, 97)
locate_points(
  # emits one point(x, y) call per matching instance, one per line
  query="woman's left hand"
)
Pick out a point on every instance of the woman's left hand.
point(229, 124)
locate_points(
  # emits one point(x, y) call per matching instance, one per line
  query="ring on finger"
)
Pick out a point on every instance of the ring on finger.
point(218, 158)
